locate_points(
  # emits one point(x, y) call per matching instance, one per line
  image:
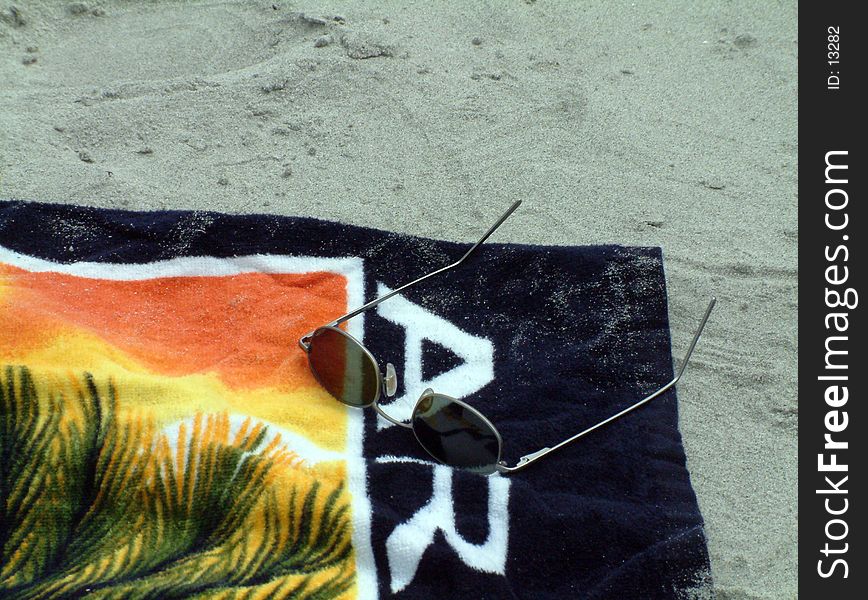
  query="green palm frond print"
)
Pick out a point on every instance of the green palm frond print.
point(96, 502)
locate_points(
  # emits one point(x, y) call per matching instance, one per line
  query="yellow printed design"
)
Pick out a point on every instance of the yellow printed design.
point(147, 434)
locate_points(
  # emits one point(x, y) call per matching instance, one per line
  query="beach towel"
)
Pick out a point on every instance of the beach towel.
point(161, 434)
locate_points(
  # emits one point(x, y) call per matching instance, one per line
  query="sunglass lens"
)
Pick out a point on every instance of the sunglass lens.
point(343, 367)
point(456, 434)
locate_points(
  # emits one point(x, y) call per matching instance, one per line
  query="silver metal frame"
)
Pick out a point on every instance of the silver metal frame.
point(381, 385)
point(527, 459)
point(304, 341)
point(500, 466)
point(430, 392)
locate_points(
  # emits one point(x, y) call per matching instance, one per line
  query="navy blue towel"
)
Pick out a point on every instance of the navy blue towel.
point(544, 341)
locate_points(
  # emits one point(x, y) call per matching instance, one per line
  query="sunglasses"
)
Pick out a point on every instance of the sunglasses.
point(450, 430)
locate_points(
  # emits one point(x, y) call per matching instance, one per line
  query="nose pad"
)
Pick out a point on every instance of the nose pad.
point(391, 380)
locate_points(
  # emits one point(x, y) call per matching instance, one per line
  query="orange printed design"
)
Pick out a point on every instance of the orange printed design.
point(149, 439)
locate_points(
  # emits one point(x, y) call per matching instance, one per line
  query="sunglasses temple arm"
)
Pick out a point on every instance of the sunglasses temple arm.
point(534, 456)
point(467, 255)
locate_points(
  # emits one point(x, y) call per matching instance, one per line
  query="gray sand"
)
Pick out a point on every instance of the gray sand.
point(670, 124)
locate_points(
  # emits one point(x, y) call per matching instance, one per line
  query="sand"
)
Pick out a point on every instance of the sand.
point(670, 124)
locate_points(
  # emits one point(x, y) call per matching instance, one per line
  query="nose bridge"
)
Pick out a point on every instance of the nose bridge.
point(389, 418)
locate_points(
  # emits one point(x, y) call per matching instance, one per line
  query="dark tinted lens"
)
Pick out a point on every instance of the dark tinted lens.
point(343, 367)
point(455, 434)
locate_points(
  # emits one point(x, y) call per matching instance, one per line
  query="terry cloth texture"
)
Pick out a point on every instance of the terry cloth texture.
point(162, 436)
